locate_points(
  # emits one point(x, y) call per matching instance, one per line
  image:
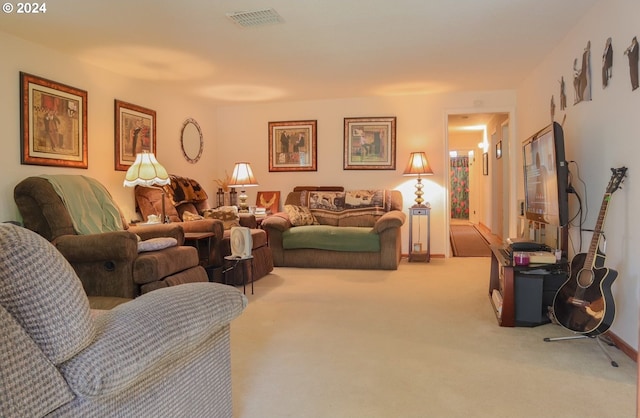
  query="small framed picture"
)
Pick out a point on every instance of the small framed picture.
point(499, 150)
point(135, 128)
point(370, 143)
point(293, 145)
point(53, 122)
point(485, 163)
point(270, 201)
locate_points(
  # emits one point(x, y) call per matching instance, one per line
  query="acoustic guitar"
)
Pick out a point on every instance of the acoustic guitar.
point(584, 303)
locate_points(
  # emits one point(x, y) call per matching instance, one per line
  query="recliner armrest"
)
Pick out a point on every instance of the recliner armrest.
point(204, 225)
point(149, 331)
point(172, 230)
point(108, 246)
point(248, 220)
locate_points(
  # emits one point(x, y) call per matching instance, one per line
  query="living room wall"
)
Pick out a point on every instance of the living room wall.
point(232, 133)
point(599, 134)
point(242, 131)
point(172, 108)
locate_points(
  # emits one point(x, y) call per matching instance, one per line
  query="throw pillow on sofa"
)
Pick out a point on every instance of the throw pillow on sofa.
point(227, 214)
point(299, 215)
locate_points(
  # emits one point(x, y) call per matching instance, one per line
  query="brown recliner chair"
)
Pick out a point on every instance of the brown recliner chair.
point(108, 263)
point(184, 198)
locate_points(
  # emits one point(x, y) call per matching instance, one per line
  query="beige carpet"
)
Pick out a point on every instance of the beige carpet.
point(467, 241)
point(421, 341)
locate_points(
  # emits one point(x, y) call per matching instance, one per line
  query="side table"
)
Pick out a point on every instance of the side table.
point(235, 267)
point(416, 251)
point(194, 239)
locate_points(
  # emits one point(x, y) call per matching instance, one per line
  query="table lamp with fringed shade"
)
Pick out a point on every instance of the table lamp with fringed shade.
point(418, 165)
point(148, 172)
point(242, 177)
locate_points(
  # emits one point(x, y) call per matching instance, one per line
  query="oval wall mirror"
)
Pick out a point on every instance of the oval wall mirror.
point(191, 141)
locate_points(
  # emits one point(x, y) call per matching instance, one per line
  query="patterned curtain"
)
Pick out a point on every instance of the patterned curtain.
point(459, 187)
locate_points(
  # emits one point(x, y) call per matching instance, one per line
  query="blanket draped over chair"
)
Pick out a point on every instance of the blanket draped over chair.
point(81, 196)
point(182, 190)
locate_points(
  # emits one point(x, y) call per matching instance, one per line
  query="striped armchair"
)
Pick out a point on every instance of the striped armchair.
point(164, 354)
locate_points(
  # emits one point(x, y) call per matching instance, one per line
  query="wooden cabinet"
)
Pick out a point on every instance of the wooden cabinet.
point(510, 289)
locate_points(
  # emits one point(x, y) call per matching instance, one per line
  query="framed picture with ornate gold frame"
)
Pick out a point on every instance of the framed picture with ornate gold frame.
point(53, 123)
point(135, 129)
point(293, 146)
point(370, 143)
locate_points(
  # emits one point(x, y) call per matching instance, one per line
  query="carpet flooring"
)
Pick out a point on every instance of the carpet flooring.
point(467, 241)
point(421, 341)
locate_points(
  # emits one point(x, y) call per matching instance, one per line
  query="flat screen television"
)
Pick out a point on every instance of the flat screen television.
point(546, 177)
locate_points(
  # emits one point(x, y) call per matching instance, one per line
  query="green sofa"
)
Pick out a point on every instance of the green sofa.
point(359, 229)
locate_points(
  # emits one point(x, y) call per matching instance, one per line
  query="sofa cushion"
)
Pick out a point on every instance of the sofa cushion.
point(334, 238)
point(299, 215)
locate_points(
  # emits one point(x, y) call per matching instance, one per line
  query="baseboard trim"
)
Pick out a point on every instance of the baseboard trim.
point(623, 346)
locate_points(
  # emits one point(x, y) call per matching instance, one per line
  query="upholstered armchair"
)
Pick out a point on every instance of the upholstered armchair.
point(164, 354)
point(186, 203)
point(108, 263)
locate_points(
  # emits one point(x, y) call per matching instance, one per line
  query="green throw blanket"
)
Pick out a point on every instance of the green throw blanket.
point(90, 205)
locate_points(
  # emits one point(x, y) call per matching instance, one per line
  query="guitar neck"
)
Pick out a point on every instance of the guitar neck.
point(597, 232)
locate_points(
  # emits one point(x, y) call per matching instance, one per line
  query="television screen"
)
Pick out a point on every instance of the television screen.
point(546, 177)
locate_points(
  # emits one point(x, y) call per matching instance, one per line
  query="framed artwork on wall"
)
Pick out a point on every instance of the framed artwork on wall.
point(485, 163)
point(370, 143)
point(293, 146)
point(135, 128)
point(270, 201)
point(53, 123)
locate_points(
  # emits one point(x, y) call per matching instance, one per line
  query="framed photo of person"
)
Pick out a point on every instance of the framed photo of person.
point(53, 123)
point(370, 143)
point(293, 146)
point(135, 128)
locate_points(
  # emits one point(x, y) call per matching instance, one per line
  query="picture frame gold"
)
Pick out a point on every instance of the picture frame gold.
point(293, 146)
point(135, 132)
point(53, 123)
point(370, 143)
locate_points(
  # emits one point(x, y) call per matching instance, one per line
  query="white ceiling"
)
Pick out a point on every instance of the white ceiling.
point(325, 49)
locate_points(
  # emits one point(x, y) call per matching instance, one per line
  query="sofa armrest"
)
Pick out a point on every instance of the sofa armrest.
point(391, 219)
point(278, 221)
point(149, 332)
point(108, 246)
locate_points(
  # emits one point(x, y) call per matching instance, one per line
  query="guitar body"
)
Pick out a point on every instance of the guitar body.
point(584, 303)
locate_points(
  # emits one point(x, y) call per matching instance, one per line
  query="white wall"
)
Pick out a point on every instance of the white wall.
point(421, 126)
point(599, 134)
point(233, 133)
point(171, 107)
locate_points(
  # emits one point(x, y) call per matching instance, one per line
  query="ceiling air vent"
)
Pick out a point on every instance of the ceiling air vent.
point(255, 18)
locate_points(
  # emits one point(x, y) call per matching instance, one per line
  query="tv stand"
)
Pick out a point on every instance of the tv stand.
point(520, 295)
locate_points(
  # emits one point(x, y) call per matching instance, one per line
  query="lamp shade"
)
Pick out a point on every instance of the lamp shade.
point(418, 164)
point(242, 176)
point(146, 171)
